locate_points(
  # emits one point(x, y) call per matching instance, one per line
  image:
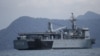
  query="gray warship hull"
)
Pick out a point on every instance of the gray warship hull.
point(55, 44)
point(32, 45)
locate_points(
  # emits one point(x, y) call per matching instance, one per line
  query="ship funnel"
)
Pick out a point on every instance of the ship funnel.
point(73, 21)
point(50, 27)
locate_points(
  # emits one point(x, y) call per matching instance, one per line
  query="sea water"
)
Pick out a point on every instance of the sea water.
point(52, 52)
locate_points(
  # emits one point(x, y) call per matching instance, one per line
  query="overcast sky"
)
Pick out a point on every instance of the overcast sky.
point(53, 9)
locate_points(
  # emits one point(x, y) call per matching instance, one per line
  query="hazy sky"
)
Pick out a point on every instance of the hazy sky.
point(53, 9)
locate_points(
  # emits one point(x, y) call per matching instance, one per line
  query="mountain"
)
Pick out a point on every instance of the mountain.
point(89, 15)
point(91, 20)
point(24, 24)
point(27, 24)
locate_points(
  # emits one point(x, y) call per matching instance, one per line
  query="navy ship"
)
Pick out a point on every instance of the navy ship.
point(61, 38)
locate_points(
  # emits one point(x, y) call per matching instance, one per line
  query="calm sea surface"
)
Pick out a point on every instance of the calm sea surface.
point(52, 52)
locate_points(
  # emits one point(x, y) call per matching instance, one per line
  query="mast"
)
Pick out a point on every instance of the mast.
point(50, 27)
point(73, 20)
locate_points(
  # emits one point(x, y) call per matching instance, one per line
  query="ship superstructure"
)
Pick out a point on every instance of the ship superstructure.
point(61, 38)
